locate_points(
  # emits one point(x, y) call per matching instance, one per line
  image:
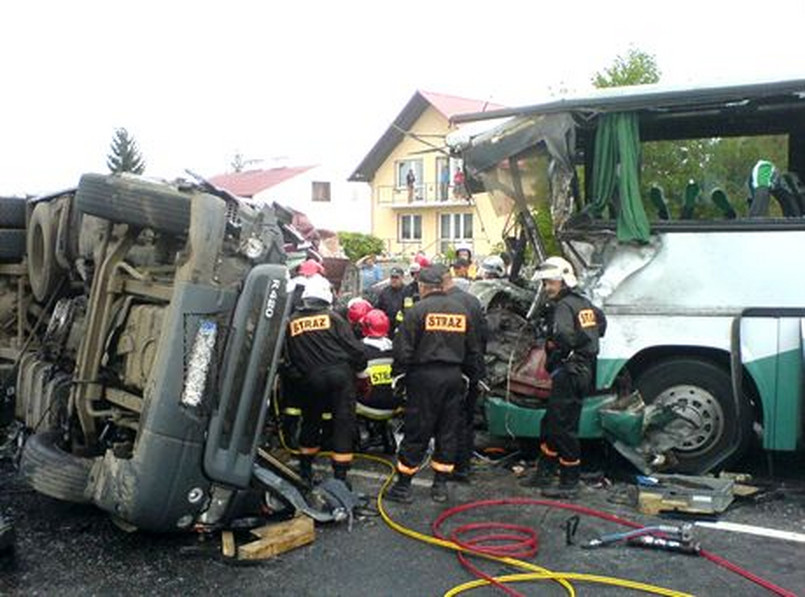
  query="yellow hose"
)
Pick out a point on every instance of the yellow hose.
point(535, 572)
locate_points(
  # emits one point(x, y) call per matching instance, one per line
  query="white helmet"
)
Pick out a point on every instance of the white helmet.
point(318, 288)
point(557, 268)
point(494, 267)
point(464, 247)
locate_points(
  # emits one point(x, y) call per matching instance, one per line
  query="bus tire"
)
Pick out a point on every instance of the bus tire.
point(704, 391)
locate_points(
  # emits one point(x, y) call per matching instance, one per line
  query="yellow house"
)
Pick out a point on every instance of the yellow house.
point(418, 202)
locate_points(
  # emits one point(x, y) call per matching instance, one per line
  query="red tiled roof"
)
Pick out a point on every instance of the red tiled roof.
point(251, 182)
point(450, 105)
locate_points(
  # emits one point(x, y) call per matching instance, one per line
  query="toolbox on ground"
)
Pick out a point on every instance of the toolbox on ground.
point(684, 493)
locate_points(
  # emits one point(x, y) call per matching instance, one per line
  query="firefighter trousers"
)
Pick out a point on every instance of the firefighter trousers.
point(560, 426)
point(328, 389)
point(432, 410)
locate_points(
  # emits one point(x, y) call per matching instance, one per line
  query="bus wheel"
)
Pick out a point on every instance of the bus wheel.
point(701, 395)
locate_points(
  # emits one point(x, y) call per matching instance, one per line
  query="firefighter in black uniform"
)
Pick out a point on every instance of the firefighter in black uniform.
point(572, 346)
point(433, 347)
point(391, 298)
point(466, 438)
point(326, 356)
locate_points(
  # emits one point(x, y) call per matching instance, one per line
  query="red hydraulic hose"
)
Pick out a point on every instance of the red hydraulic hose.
point(524, 542)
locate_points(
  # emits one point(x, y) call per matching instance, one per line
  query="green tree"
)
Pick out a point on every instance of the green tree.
point(635, 68)
point(357, 245)
point(124, 155)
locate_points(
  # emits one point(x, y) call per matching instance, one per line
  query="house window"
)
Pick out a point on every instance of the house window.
point(454, 229)
point(321, 191)
point(409, 227)
point(401, 172)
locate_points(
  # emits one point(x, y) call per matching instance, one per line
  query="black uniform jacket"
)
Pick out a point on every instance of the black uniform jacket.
point(576, 328)
point(437, 330)
point(478, 319)
point(320, 338)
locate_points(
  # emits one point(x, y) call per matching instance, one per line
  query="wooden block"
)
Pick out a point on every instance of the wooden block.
point(228, 544)
point(278, 538)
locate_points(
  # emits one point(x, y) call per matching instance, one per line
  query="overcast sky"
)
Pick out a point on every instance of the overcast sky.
point(318, 82)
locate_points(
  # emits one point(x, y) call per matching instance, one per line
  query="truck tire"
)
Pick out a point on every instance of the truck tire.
point(53, 472)
point(704, 391)
point(43, 270)
point(12, 245)
point(136, 201)
point(12, 212)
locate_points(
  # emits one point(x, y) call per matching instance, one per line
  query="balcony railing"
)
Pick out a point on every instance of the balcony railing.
point(422, 195)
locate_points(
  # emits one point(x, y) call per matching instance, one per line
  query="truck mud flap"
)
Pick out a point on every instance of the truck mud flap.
point(247, 376)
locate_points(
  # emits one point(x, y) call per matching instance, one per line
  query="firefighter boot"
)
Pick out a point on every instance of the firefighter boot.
point(438, 491)
point(545, 475)
point(568, 487)
point(306, 468)
point(401, 491)
point(340, 470)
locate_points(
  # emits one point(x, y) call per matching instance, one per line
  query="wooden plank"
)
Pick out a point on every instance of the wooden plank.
point(278, 538)
point(228, 544)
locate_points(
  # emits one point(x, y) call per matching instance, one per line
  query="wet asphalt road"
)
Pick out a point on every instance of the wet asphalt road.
point(65, 549)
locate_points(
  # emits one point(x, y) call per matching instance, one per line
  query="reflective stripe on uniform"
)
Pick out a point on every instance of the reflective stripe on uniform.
point(292, 411)
point(308, 451)
point(405, 469)
point(564, 462)
point(543, 447)
point(343, 458)
point(441, 467)
point(326, 416)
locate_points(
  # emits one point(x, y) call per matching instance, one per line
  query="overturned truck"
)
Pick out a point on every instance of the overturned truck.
point(682, 212)
point(141, 327)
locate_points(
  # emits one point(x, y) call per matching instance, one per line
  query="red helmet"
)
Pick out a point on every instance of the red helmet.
point(310, 267)
point(375, 324)
point(356, 309)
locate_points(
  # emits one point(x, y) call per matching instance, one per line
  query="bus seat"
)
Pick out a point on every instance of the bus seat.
point(719, 199)
point(790, 186)
point(657, 199)
point(692, 192)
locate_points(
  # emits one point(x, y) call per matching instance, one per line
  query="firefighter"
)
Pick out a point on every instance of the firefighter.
point(470, 271)
point(493, 268)
point(356, 309)
point(466, 437)
point(391, 298)
point(377, 399)
point(572, 346)
point(325, 354)
point(433, 347)
point(411, 290)
point(291, 412)
point(377, 348)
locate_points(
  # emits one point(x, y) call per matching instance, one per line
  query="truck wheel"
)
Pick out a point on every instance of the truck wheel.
point(12, 245)
point(43, 271)
point(52, 471)
point(703, 393)
point(128, 200)
point(12, 212)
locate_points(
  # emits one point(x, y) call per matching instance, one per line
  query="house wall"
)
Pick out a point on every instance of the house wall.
point(349, 208)
point(390, 199)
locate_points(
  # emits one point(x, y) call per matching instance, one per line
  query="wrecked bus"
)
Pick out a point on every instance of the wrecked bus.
point(682, 212)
